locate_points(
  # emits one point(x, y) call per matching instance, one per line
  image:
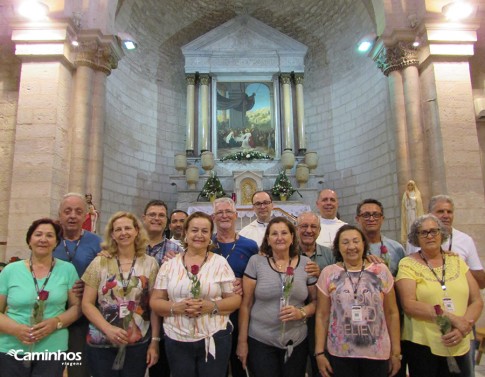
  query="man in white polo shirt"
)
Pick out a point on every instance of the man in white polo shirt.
point(263, 208)
point(327, 204)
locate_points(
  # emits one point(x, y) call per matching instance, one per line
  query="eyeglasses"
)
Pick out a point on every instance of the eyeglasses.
point(227, 212)
point(425, 233)
point(260, 204)
point(153, 215)
point(306, 226)
point(368, 215)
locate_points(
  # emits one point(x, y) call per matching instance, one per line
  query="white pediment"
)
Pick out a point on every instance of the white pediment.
point(244, 45)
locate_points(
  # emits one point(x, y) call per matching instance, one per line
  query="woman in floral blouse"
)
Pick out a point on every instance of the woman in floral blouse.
point(116, 297)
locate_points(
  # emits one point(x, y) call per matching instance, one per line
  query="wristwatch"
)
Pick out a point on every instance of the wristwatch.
point(59, 323)
point(215, 311)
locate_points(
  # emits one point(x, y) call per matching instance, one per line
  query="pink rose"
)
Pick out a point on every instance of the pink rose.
point(290, 271)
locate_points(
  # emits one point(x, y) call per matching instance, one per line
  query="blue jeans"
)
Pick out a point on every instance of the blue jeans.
point(100, 361)
point(265, 360)
point(10, 367)
point(187, 359)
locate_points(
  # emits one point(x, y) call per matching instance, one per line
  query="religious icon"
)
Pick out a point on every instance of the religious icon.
point(411, 209)
point(91, 216)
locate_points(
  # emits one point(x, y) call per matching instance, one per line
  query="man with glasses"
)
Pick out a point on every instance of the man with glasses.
point(237, 250)
point(443, 207)
point(176, 225)
point(327, 204)
point(155, 222)
point(263, 208)
point(370, 216)
point(308, 229)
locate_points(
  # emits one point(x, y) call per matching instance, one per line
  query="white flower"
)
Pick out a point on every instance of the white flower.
point(248, 155)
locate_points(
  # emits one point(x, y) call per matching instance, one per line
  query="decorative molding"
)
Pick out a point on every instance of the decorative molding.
point(299, 78)
point(190, 79)
point(400, 56)
point(204, 79)
point(285, 78)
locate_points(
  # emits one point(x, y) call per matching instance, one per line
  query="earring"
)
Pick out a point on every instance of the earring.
point(210, 242)
point(185, 239)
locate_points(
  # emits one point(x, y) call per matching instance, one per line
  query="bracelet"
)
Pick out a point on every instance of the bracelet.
point(156, 339)
point(303, 314)
point(171, 311)
point(398, 356)
point(319, 353)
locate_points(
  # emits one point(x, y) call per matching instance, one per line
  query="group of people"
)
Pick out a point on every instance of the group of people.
point(262, 300)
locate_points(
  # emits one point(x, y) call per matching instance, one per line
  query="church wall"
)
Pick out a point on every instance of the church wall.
point(144, 130)
point(9, 79)
point(349, 123)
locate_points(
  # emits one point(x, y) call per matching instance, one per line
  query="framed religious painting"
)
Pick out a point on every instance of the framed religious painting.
point(245, 115)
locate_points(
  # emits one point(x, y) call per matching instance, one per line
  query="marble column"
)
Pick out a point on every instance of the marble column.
point(287, 112)
point(190, 128)
point(300, 113)
point(204, 113)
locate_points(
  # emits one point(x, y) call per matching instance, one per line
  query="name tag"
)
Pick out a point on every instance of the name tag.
point(357, 313)
point(448, 304)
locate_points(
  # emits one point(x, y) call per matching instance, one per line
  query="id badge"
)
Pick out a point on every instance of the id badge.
point(356, 313)
point(124, 310)
point(448, 304)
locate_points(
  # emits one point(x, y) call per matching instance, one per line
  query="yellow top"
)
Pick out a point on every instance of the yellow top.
point(428, 289)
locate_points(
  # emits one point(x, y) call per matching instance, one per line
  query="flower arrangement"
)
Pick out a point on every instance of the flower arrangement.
point(286, 293)
point(195, 288)
point(246, 155)
point(283, 186)
point(444, 323)
point(212, 188)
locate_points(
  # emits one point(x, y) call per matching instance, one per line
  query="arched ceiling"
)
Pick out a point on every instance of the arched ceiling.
point(162, 27)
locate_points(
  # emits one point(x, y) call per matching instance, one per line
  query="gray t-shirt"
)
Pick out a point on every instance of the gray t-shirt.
point(264, 324)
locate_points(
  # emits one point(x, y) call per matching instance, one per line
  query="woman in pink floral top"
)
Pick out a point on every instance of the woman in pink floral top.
point(116, 302)
point(357, 320)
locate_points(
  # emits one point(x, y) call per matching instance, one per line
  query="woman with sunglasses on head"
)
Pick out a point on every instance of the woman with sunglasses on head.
point(441, 302)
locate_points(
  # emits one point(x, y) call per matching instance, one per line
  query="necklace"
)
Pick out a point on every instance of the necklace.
point(354, 286)
point(280, 266)
point(443, 270)
point(230, 251)
point(35, 279)
point(203, 262)
point(66, 249)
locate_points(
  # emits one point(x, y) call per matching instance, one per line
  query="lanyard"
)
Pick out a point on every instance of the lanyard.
point(233, 246)
point(451, 241)
point(35, 279)
point(443, 270)
point(124, 282)
point(66, 249)
point(354, 286)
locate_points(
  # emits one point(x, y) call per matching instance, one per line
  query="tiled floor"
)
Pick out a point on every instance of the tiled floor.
point(480, 369)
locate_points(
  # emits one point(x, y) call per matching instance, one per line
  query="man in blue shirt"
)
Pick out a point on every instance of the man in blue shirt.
point(79, 247)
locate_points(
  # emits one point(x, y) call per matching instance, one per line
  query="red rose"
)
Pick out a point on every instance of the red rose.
point(43, 295)
point(13, 259)
point(290, 271)
point(194, 269)
point(131, 306)
point(438, 310)
point(383, 249)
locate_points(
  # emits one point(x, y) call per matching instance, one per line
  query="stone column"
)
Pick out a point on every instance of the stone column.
point(300, 113)
point(190, 129)
point(40, 170)
point(97, 56)
point(287, 111)
point(204, 113)
point(399, 63)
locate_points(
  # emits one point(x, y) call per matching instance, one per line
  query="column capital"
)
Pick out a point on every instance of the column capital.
point(190, 79)
point(285, 78)
point(299, 77)
point(396, 57)
point(204, 79)
point(98, 51)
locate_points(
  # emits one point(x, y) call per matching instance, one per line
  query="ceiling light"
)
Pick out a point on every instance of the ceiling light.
point(127, 41)
point(366, 43)
point(33, 10)
point(417, 42)
point(457, 10)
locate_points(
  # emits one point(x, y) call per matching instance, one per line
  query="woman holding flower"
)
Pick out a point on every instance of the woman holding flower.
point(33, 298)
point(357, 320)
point(278, 297)
point(194, 294)
point(116, 302)
point(441, 302)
